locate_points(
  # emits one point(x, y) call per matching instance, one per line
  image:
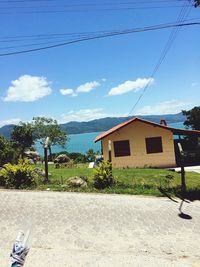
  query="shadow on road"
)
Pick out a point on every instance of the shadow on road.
point(187, 197)
point(166, 194)
point(183, 215)
point(190, 194)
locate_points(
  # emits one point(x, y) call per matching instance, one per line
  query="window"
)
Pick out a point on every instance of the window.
point(154, 145)
point(122, 148)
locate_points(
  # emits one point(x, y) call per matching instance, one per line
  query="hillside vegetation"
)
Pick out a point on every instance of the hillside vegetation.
point(101, 125)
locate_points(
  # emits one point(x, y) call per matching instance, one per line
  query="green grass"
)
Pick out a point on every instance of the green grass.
point(128, 181)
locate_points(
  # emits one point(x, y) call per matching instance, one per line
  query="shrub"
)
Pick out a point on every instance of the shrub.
point(168, 179)
point(2, 180)
point(19, 175)
point(90, 155)
point(8, 154)
point(69, 164)
point(80, 159)
point(62, 158)
point(103, 176)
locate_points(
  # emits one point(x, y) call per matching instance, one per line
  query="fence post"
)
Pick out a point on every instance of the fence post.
point(46, 165)
point(183, 184)
point(47, 144)
point(110, 153)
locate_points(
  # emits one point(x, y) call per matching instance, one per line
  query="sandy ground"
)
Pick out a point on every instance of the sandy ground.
point(70, 229)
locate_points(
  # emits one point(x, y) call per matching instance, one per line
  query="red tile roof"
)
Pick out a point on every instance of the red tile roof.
point(121, 125)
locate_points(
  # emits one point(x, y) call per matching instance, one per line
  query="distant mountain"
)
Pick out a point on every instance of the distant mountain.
point(7, 130)
point(101, 125)
point(104, 124)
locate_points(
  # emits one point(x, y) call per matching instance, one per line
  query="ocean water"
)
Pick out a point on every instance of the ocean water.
point(82, 142)
point(177, 125)
point(77, 143)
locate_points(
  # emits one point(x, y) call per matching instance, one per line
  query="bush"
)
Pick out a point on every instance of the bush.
point(103, 176)
point(19, 175)
point(75, 156)
point(62, 158)
point(167, 180)
point(69, 164)
point(8, 154)
point(2, 180)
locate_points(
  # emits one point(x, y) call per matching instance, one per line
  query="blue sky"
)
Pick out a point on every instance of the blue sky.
point(97, 78)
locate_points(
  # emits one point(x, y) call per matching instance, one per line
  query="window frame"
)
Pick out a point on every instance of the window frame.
point(118, 151)
point(154, 145)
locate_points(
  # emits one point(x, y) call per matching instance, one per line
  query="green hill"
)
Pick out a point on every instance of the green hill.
point(101, 125)
point(104, 124)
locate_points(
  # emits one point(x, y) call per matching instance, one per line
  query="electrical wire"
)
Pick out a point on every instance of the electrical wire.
point(173, 35)
point(92, 3)
point(53, 36)
point(85, 10)
point(109, 34)
point(25, 8)
point(79, 34)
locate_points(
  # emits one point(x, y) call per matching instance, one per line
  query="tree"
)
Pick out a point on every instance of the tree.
point(48, 127)
point(192, 118)
point(90, 155)
point(196, 3)
point(77, 157)
point(8, 154)
point(22, 137)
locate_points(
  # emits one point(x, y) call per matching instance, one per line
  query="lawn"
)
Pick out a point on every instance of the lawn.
point(128, 181)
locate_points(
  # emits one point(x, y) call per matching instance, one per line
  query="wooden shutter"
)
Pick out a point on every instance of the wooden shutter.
point(122, 148)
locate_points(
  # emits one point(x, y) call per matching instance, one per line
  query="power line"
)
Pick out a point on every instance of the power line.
point(85, 7)
point(183, 14)
point(109, 34)
point(86, 10)
point(92, 3)
point(50, 36)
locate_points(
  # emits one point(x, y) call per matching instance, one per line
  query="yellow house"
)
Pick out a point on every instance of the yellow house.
point(141, 143)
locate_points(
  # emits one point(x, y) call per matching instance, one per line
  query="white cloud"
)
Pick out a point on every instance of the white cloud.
point(68, 92)
point(28, 88)
point(87, 87)
point(166, 107)
point(83, 88)
point(9, 121)
point(85, 115)
point(129, 86)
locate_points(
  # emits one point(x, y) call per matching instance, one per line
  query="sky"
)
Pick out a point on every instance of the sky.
point(102, 77)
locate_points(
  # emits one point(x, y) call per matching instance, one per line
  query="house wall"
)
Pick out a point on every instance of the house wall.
point(136, 133)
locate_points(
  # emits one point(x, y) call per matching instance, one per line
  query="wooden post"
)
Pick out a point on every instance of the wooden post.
point(110, 154)
point(46, 165)
point(101, 148)
point(183, 184)
point(47, 144)
point(109, 151)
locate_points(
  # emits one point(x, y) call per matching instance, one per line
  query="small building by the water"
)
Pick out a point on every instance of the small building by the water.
point(141, 143)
